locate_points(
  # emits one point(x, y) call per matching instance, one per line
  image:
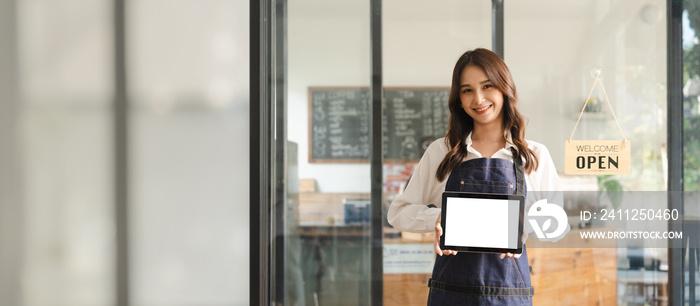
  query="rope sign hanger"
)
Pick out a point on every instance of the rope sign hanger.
point(597, 72)
point(597, 157)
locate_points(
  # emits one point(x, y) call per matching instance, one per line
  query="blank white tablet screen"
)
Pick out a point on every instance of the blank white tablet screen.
point(485, 223)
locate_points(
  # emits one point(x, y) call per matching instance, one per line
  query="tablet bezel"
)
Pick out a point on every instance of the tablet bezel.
point(521, 217)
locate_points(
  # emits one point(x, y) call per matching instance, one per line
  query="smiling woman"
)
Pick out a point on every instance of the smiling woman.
point(495, 97)
point(484, 152)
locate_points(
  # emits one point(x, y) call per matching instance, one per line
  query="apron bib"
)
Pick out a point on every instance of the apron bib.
point(483, 278)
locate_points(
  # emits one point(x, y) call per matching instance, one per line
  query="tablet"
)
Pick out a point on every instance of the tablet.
point(482, 222)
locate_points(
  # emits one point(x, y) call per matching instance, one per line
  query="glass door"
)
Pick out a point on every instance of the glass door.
point(322, 103)
point(690, 255)
point(552, 48)
point(322, 208)
point(421, 44)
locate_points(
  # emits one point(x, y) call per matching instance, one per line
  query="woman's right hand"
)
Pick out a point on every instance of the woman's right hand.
point(438, 233)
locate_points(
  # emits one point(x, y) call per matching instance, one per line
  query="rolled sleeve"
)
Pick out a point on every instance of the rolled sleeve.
point(410, 211)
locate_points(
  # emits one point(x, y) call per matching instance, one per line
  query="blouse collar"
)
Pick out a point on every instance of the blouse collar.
point(509, 144)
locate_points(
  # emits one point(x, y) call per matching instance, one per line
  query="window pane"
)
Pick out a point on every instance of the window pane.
point(690, 23)
point(189, 130)
point(691, 94)
point(421, 44)
point(551, 48)
point(326, 252)
point(65, 140)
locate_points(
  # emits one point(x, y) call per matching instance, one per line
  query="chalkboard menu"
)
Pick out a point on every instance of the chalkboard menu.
point(339, 123)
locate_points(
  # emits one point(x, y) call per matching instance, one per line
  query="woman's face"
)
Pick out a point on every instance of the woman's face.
point(480, 99)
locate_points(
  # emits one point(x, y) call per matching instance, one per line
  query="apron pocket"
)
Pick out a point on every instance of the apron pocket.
point(487, 186)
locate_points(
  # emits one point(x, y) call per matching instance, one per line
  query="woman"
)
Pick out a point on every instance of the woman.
point(485, 151)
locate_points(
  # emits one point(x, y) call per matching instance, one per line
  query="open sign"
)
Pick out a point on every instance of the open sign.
point(596, 157)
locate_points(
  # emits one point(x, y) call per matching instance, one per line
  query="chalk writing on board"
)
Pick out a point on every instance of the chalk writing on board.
point(339, 125)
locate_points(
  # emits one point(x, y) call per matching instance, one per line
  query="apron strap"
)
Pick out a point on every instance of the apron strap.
point(519, 173)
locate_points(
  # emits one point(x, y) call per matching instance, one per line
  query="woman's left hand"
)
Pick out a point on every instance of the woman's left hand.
point(511, 255)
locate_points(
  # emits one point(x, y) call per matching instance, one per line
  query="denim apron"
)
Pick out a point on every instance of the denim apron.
point(483, 278)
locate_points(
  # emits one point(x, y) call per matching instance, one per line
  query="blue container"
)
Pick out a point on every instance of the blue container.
point(350, 213)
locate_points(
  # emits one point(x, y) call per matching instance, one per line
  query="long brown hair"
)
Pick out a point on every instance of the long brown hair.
point(461, 124)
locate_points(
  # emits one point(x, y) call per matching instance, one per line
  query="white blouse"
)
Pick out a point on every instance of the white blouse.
point(410, 211)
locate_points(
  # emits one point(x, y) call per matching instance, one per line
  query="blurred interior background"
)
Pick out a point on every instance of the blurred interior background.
point(124, 163)
point(185, 156)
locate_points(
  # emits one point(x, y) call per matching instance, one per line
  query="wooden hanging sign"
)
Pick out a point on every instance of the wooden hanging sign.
point(597, 157)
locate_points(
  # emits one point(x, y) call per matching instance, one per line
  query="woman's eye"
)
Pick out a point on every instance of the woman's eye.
point(488, 86)
point(466, 90)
